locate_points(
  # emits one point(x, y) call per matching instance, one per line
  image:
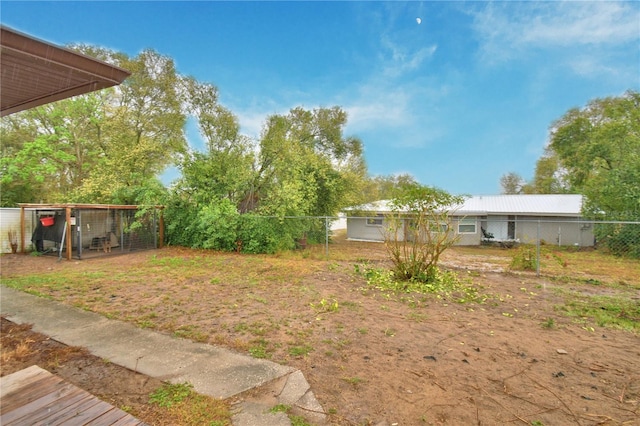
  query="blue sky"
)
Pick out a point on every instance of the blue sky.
point(457, 98)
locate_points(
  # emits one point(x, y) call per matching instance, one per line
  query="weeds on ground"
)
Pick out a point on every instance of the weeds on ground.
point(525, 258)
point(606, 311)
point(188, 407)
point(295, 420)
point(325, 305)
point(444, 284)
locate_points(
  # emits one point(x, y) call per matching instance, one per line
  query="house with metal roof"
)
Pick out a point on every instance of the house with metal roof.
point(552, 218)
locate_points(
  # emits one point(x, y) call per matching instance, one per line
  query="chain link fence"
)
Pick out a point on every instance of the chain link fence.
point(92, 230)
point(543, 246)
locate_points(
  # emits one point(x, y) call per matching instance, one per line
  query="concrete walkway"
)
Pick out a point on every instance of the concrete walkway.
point(211, 370)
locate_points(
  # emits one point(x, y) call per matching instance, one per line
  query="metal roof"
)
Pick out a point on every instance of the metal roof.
point(524, 204)
point(520, 204)
point(35, 72)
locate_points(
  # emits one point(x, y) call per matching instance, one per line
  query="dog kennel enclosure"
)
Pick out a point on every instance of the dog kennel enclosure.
point(78, 231)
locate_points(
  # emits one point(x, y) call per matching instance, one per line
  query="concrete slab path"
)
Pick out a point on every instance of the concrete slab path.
point(212, 370)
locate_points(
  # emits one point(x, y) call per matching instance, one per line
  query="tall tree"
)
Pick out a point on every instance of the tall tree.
point(51, 149)
point(512, 183)
point(144, 133)
point(305, 165)
point(599, 147)
point(224, 171)
point(386, 187)
point(106, 146)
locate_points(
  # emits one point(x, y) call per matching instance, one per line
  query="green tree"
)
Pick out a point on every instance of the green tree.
point(306, 166)
point(385, 187)
point(106, 146)
point(225, 169)
point(598, 147)
point(50, 150)
point(512, 183)
point(418, 231)
point(302, 165)
point(550, 176)
point(144, 133)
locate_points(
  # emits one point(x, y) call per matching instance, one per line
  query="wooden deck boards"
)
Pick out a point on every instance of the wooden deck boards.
point(34, 396)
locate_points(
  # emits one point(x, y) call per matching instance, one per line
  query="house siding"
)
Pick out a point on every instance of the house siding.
point(358, 229)
point(555, 219)
point(553, 230)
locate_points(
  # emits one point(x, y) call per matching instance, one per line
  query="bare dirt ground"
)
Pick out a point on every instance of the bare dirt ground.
point(371, 358)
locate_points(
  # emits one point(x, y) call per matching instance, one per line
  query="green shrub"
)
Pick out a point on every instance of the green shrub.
point(524, 259)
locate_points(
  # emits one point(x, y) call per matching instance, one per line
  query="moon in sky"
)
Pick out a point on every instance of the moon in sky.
point(419, 21)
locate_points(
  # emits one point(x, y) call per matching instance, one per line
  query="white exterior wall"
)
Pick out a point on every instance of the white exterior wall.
point(10, 221)
point(553, 230)
point(358, 229)
point(468, 238)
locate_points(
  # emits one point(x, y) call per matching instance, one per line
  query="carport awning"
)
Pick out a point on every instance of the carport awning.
point(35, 72)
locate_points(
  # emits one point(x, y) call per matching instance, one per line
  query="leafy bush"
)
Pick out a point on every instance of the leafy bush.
point(619, 239)
point(219, 226)
point(258, 234)
point(524, 259)
point(418, 231)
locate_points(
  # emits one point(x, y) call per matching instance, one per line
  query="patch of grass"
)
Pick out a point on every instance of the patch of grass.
point(299, 351)
point(354, 381)
point(326, 305)
point(170, 394)
point(606, 311)
point(445, 284)
point(191, 332)
point(260, 349)
point(145, 323)
point(187, 407)
point(549, 323)
point(280, 408)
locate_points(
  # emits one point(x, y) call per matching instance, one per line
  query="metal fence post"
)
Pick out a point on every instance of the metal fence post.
point(538, 251)
point(326, 235)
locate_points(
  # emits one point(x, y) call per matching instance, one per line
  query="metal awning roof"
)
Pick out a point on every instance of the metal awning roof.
point(35, 72)
point(568, 205)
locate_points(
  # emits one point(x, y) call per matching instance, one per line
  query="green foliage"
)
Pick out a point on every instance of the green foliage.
point(607, 311)
point(443, 283)
point(262, 235)
point(418, 231)
point(619, 239)
point(598, 151)
point(170, 394)
point(103, 147)
point(217, 225)
point(524, 258)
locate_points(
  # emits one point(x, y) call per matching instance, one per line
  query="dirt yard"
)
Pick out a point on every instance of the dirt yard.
point(371, 357)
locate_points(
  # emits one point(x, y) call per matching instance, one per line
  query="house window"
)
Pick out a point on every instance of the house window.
point(375, 221)
point(467, 226)
point(438, 227)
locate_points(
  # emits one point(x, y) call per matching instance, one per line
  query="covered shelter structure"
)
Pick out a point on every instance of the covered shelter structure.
point(88, 230)
point(35, 72)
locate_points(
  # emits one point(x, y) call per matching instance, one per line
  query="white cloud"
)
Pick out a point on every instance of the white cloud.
point(512, 28)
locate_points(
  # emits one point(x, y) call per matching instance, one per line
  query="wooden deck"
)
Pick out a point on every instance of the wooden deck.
point(34, 396)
